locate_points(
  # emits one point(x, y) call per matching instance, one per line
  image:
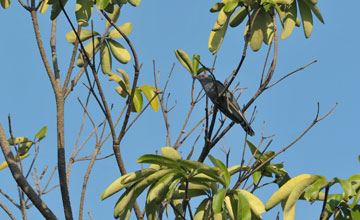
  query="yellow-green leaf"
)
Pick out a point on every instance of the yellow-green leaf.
point(315, 10)
point(83, 11)
point(134, 2)
point(84, 35)
point(238, 17)
point(306, 17)
point(289, 21)
point(267, 28)
point(5, 3)
point(125, 28)
point(89, 51)
point(44, 6)
point(105, 57)
point(56, 8)
point(18, 140)
point(256, 205)
point(216, 38)
point(17, 158)
point(218, 200)
point(296, 185)
point(42, 133)
point(203, 210)
point(125, 77)
point(120, 81)
point(119, 52)
point(256, 34)
point(171, 153)
point(217, 7)
point(121, 91)
point(150, 92)
point(184, 59)
point(137, 100)
point(285, 2)
point(113, 16)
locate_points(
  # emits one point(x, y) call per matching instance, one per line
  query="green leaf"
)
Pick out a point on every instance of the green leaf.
point(113, 16)
point(125, 28)
point(333, 202)
point(102, 4)
point(218, 200)
point(306, 17)
point(84, 35)
point(18, 140)
point(42, 133)
point(202, 211)
point(217, 7)
point(134, 3)
point(230, 5)
point(312, 193)
point(355, 212)
point(243, 208)
point(285, 2)
point(195, 66)
point(346, 185)
point(315, 10)
point(137, 100)
point(150, 92)
point(157, 194)
point(125, 181)
point(184, 59)
point(125, 203)
point(159, 160)
point(225, 172)
point(105, 56)
point(83, 11)
point(256, 176)
point(23, 143)
point(238, 17)
point(253, 149)
point(109, 8)
point(119, 52)
point(56, 8)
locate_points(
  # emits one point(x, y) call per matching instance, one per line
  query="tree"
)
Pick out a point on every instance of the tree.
point(183, 179)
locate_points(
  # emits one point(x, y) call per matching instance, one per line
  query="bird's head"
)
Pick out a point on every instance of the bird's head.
point(203, 76)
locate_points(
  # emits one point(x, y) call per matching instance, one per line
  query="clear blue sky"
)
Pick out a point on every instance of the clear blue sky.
point(329, 149)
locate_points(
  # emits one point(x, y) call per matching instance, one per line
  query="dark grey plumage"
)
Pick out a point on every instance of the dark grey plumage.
point(226, 103)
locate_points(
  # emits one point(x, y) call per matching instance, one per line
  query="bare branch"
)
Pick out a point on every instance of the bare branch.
point(20, 179)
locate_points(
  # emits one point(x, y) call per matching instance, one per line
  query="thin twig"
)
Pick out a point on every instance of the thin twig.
point(7, 211)
point(20, 179)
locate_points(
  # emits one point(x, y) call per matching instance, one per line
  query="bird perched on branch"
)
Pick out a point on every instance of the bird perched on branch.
point(225, 101)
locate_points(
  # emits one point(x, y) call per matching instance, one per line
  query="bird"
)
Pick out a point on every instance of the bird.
point(225, 101)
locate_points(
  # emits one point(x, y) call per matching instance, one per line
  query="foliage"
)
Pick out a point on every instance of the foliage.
point(22, 145)
point(262, 20)
point(171, 180)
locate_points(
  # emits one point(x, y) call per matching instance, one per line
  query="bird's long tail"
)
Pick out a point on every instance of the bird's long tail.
point(245, 125)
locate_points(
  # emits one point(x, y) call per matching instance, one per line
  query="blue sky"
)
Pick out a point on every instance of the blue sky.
point(160, 27)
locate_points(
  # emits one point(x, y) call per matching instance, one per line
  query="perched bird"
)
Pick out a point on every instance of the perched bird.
point(226, 102)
